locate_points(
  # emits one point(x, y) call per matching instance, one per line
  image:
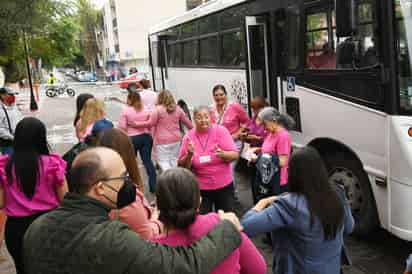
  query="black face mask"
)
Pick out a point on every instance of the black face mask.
point(126, 194)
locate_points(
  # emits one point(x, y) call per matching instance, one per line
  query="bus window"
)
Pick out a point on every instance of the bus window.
point(233, 52)
point(208, 51)
point(325, 51)
point(190, 53)
point(404, 44)
point(320, 53)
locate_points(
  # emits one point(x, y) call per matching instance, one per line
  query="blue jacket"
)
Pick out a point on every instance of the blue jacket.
point(298, 248)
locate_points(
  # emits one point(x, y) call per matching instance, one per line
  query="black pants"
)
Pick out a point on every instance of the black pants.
point(222, 198)
point(15, 229)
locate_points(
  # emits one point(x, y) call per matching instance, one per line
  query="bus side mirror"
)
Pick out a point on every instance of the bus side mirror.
point(345, 18)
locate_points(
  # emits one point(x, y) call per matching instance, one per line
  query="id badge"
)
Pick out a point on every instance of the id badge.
point(205, 159)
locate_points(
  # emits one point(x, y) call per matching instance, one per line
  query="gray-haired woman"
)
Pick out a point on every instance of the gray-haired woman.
point(278, 140)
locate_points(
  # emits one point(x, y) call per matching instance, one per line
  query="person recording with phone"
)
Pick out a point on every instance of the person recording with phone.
point(208, 151)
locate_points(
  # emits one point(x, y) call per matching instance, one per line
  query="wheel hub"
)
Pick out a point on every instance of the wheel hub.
point(346, 178)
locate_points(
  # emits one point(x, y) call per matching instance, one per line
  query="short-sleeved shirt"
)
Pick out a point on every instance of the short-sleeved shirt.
point(279, 143)
point(232, 118)
point(211, 171)
point(258, 130)
point(51, 176)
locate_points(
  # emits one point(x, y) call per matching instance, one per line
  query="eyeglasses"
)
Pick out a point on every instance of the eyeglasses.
point(126, 179)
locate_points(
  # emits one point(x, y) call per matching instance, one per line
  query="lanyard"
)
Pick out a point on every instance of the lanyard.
point(220, 117)
point(204, 146)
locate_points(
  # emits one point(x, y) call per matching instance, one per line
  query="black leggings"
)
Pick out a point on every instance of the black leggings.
point(15, 229)
point(222, 198)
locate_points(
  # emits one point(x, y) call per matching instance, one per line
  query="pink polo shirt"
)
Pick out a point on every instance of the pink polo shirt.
point(233, 117)
point(129, 117)
point(279, 143)
point(246, 259)
point(139, 216)
point(51, 177)
point(211, 171)
point(166, 125)
point(149, 99)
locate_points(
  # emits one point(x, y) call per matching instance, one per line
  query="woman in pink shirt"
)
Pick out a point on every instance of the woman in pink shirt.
point(178, 200)
point(208, 150)
point(166, 128)
point(232, 116)
point(278, 141)
point(138, 215)
point(92, 111)
point(141, 138)
point(149, 97)
point(32, 182)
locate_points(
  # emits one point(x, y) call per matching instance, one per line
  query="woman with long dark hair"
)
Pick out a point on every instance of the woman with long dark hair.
point(32, 182)
point(138, 215)
point(178, 200)
point(308, 223)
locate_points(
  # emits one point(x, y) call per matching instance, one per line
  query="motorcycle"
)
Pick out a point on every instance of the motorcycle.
point(53, 90)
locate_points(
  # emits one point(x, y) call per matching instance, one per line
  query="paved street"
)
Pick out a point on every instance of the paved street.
point(379, 253)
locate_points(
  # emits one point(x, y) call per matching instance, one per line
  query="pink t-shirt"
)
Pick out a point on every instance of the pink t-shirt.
point(166, 125)
point(279, 143)
point(86, 133)
point(211, 171)
point(51, 176)
point(233, 117)
point(129, 117)
point(246, 259)
point(149, 99)
point(138, 216)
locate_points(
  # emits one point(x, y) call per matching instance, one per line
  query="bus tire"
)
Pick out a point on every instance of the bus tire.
point(345, 170)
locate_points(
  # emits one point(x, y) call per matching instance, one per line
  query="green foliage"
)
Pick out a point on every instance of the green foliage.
point(60, 32)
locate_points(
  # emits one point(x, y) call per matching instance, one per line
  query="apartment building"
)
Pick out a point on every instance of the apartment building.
point(125, 27)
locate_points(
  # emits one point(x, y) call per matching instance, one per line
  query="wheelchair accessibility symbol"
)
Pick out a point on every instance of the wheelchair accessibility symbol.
point(291, 83)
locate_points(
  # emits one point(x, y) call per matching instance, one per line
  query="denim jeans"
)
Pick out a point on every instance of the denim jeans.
point(143, 144)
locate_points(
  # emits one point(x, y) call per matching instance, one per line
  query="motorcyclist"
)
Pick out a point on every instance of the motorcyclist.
point(52, 80)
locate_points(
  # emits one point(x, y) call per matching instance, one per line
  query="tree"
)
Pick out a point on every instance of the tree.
point(88, 20)
point(44, 22)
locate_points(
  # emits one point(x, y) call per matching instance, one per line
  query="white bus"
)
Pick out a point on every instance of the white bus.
point(341, 70)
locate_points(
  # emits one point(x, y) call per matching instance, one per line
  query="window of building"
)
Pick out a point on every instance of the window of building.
point(208, 51)
point(190, 53)
point(233, 52)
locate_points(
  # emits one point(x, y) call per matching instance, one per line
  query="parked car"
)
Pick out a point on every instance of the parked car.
point(86, 76)
point(132, 79)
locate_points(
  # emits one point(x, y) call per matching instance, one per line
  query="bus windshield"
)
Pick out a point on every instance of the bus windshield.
point(403, 10)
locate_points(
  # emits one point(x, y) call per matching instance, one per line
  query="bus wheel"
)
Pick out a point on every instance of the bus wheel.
point(346, 171)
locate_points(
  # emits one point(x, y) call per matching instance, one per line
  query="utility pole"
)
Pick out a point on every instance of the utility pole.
point(33, 103)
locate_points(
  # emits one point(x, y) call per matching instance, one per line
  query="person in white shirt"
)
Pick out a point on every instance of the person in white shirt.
point(9, 117)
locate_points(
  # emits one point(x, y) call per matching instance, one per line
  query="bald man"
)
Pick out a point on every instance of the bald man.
point(78, 237)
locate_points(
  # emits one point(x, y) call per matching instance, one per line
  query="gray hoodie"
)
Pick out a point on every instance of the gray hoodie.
point(14, 115)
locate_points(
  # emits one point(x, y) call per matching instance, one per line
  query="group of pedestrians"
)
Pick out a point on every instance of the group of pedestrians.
point(88, 213)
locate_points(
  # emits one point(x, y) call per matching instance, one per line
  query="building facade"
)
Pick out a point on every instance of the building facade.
point(126, 24)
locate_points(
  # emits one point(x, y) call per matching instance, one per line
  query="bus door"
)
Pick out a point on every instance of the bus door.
point(157, 57)
point(258, 60)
